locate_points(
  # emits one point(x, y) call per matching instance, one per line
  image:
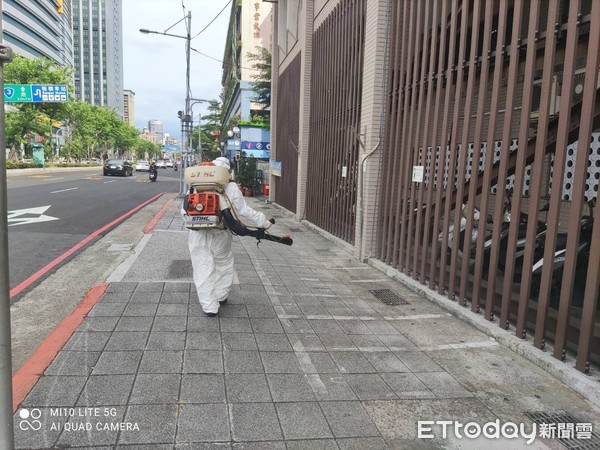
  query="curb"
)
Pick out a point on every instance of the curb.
point(149, 228)
point(27, 376)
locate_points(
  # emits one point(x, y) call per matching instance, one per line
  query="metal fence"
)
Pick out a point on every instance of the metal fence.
point(288, 106)
point(336, 89)
point(497, 103)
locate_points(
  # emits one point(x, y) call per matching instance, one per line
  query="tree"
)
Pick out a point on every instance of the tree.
point(209, 124)
point(25, 120)
point(262, 80)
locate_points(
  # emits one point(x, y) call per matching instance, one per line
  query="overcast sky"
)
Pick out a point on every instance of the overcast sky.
point(154, 65)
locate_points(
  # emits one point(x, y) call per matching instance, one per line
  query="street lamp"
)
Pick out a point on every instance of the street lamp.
point(194, 102)
point(187, 38)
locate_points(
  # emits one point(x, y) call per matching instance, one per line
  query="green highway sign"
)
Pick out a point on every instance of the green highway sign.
point(35, 93)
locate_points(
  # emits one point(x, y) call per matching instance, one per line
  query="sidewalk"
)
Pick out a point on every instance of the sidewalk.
point(302, 356)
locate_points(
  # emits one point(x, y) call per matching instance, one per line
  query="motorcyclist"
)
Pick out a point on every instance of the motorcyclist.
point(153, 171)
point(210, 250)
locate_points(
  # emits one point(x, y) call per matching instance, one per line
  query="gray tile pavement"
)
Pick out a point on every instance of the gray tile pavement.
point(302, 356)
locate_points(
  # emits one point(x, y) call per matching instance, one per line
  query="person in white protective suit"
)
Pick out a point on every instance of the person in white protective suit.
point(210, 250)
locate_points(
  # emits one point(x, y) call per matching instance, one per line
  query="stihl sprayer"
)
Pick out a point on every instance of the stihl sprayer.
point(207, 205)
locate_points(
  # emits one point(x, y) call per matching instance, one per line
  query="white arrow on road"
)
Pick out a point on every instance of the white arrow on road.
point(29, 215)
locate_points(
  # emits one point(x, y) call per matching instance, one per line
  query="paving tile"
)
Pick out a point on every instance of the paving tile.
point(155, 389)
point(407, 386)
point(202, 446)
point(245, 388)
point(172, 309)
point(122, 286)
point(87, 341)
point(202, 361)
point(368, 343)
point(127, 323)
point(54, 391)
point(175, 297)
point(352, 362)
point(370, 387)
point(73, 363)
point(418, 362)
point(127, 341)
point(273, 342)
point(317, 362)
point(239, 341)
point(203, 341)
point(266, 326)
point(150, 286)
point(45, 437)
point(374, 443)
point(202, 388)
point(145, 297)
point(95, 438)
point(166, 340)
point(233, 310)
point(381, 327)
point(117, 363)
point(235, 325)
point(443, 385)
point(208, 422)
point(115, 297)
point(202, 324)
point(302, 421)
point(313, 444)
point(327, 326)
point(306, 343)
point(330, 387)
point(280, 362)
point(337, 342)
point(265, 311)
point(386, 362)
point(161, 361)
point(195, 310)
point(398, 342)
point(175, 286)
point(106, 390)
point(254, 422)
point(157, 424)
point(140, 309)
point(290, 388)
point(295, 326)
point(107, 309)
point(98, 323)
point(354, 326)
point(243, 362)
point(348, 419)
point(341, 313)
point(166, 323)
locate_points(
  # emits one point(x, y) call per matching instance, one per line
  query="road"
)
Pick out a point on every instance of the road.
point(49, 213)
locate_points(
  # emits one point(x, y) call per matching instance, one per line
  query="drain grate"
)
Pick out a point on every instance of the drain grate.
point(296, 230)
point(572, 432)
point(388, 297)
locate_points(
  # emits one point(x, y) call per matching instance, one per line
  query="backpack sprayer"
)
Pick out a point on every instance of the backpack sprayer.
point(207, 205)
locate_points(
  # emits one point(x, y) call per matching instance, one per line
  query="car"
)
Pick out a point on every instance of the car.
point(118, 167)
point(142, 166)
point(161, 164)
point(169, 164)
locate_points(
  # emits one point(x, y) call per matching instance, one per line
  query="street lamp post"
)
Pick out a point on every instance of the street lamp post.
point(187, 38)
point(194, 102)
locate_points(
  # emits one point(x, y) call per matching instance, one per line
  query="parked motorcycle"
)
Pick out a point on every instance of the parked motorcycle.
point(152, 172)
point(586, 226)
point(461, 232)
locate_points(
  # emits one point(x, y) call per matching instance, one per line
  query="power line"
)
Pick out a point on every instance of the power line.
point(218, 60)
point(215, 18)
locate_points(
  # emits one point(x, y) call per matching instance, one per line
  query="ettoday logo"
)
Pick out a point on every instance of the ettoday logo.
point(29, 419)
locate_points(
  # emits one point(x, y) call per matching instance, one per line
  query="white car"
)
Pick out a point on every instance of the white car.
point(161, 164)
point(142, 166)
point(170, 164)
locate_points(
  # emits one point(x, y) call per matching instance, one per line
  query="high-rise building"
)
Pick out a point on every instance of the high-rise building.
point(129, 107)
point(98, 53)
point(156, 127)
point(41, 28)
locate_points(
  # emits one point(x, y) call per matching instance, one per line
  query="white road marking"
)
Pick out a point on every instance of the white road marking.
point(16, 217)
point(64, 190)
point(111, 181)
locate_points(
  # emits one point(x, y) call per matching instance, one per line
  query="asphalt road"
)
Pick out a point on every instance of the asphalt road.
point(50, 212)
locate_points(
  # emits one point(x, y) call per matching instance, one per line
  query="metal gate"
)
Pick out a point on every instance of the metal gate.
point(497, 103)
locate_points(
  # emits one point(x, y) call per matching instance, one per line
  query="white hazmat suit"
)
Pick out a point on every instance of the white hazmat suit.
point(210, 250)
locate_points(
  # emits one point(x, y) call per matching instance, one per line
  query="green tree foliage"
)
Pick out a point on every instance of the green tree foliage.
point(209, 123)
point(262, 80)
point(246, 171)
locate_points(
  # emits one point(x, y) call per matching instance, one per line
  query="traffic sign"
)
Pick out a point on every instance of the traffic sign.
point(35, 93)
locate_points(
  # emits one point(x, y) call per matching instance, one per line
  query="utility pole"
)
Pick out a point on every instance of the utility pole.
point(187, 81)
point(6, 414)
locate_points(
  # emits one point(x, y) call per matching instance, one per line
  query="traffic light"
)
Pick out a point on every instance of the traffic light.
point(180, 114)
point(237, 156)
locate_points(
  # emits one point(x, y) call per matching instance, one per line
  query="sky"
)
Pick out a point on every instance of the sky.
point(154, 66)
